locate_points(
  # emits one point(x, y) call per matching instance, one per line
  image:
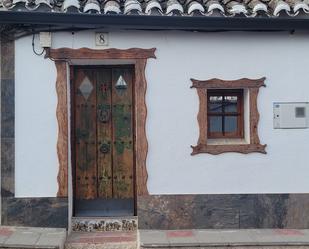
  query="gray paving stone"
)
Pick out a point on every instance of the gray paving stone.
point(23, 238)
point(236, 237)
point(207, 236)
point(3, 239)
point(150, 237)
point(186, 240)
point(279, 236)
point(257, 238)
point(30, 237)
point(229, 247)
point(56, 240)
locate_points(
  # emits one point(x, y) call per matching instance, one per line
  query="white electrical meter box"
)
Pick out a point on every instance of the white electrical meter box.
point(45, 39)
point(291, 115)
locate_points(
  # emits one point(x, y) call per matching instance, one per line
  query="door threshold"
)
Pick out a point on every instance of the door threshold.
point(106, 217)
point(104, 207)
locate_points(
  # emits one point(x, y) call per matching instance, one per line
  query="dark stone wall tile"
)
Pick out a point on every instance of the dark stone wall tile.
point(155, 211)
point(7, 59)
point(161, 212)
point(272, 210)
point(188, 211)
point(7, 108)
point(36, 212)
point(297, 211)
point(248, 216)
point(7, 121)
point(215, 211)
point(235, 211)
point(7, 167)
point(263, 211)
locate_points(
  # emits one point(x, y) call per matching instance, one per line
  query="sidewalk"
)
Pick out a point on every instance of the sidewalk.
point(49, 238)
point(26, 237)
point(255, 238)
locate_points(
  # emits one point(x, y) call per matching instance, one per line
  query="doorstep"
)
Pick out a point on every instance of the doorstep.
point(108, 224)
point(253, 238)
point(103, 233)
point(102, 240)
point(32, 237)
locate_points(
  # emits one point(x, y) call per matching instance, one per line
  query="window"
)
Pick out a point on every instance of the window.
point(225, 113)
point(228, 116)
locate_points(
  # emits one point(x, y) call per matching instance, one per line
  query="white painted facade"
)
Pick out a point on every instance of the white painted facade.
point(172, 109)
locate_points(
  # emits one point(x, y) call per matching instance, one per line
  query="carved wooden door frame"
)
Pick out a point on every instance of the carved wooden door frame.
point(61, 57)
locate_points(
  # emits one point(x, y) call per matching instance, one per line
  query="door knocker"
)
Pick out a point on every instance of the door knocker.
point(104, 113)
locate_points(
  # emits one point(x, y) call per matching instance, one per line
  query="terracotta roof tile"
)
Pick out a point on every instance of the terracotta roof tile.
point(229, 8)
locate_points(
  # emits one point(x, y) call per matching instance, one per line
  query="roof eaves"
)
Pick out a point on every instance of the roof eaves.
point(151, 22)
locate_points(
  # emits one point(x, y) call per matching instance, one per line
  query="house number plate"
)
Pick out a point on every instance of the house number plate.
point(101, 39)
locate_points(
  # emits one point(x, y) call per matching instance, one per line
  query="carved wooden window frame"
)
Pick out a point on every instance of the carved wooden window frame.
point(61, 56)
point(253, 86)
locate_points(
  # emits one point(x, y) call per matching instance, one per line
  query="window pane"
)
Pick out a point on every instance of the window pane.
point(230, 123)
point(231, 98)
point(215, 124)
point(215, 107)
point(215, 98)
point(230, 103)
point(215, 104)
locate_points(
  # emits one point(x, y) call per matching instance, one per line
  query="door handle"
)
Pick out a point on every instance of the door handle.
point(104, 148)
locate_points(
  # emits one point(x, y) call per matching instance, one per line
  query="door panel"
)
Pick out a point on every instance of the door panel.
point(85, 134)
point(122, 135)
point(104, 133)
point(104, 144)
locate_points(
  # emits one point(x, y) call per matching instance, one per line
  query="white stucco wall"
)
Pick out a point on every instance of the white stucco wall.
point(36, 129)
point(172, 108)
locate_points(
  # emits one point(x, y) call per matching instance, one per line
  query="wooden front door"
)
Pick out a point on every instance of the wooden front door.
point(103, 141)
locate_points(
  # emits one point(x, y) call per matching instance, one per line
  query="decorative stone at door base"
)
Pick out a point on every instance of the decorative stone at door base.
point(104, 224)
